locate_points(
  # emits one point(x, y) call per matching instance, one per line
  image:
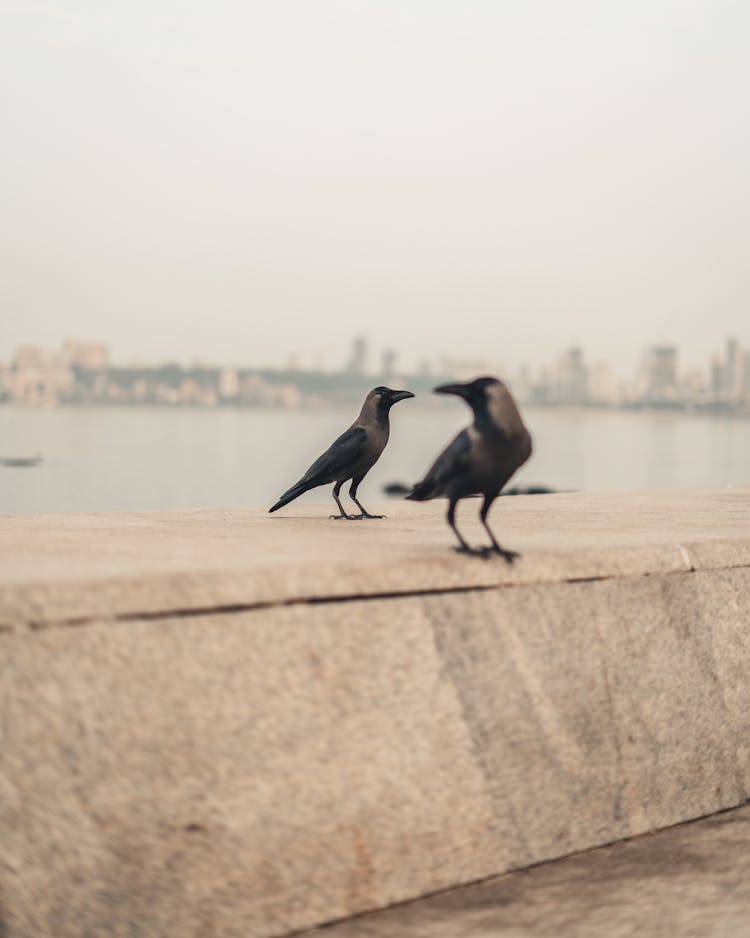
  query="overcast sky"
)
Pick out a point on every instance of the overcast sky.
point(245, 181)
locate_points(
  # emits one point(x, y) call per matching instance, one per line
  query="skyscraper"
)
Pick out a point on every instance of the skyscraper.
point(662, 372)
point(734, 369)
point(388, 364)
point(358, 360)
point(572, 381)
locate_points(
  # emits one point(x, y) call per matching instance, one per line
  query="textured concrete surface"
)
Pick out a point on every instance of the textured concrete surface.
point(691, 881)
point(255, 769)
point(57, 568)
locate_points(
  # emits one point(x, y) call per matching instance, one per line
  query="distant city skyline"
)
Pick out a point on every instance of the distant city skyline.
point(83, 372)
point(624, 356)
point(363, 353)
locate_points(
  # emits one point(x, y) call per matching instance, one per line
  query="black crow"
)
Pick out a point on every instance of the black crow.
point(482, 458)
point(353, 454)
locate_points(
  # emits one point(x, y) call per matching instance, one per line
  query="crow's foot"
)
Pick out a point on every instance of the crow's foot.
point(366, 514)
point(471, 551)
point(495, 550)
point(344, 517)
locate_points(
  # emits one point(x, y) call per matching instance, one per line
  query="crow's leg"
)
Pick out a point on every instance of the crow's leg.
point(353, 495)
point(336, 490)
point(451, 518)
point(508, 555)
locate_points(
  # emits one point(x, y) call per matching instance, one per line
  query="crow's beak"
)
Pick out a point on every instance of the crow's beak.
point(400, 396)
point(460, 390)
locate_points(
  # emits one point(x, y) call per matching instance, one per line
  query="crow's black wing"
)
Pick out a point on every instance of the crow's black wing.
point(342, 454)
point(339, 461)
point(449, 464)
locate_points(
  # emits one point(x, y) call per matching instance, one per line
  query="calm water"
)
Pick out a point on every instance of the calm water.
point(104, 459)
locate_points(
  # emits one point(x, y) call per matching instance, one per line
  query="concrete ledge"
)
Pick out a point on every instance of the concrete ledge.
point(60, 568)
point(272, 758)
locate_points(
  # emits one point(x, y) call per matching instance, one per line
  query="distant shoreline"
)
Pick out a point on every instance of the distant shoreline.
point(692, 409)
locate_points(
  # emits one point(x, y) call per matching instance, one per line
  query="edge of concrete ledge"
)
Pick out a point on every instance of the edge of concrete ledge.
point(41, 605)
point(547, 530)
point(682, 867)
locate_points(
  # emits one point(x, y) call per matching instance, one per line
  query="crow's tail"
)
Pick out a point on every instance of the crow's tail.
point(294, 492)
point(422, 491)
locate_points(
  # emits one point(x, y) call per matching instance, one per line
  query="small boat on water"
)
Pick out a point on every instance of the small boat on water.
point(17, 462)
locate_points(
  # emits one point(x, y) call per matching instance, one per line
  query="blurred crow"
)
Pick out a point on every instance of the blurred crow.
point(353, 454)
point(482, 458)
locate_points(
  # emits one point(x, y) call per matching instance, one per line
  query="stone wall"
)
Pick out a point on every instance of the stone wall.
point(257, 768)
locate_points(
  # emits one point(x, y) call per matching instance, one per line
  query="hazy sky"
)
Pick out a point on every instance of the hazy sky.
point(243, 181)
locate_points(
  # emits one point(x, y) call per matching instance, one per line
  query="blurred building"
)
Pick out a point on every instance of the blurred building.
point(93, 356)
point(694, 385)
point(717, 377)
point(662, 373)
point(388, 364)
point(229, 384)
point(734, 369)
point(37, 376)
point(729, 375)
point(602, 385)
point(572, 378)
point(358, 360)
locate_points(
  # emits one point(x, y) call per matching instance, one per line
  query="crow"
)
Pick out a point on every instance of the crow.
point(353, 454)
point(481, 459)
